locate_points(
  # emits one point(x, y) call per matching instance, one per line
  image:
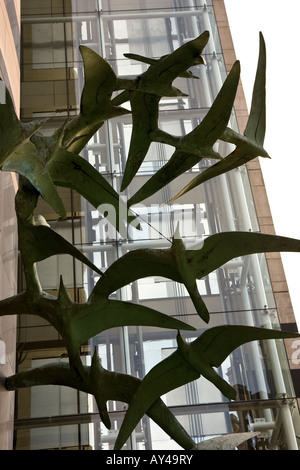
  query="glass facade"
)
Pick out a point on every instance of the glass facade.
point(239, 292)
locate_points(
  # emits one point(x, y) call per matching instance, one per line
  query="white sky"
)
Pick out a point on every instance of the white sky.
point(279, 23)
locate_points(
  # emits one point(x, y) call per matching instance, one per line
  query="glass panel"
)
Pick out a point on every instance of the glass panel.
point(202, 421)
point(156, 5)
point(236, 293)
point(57, 7)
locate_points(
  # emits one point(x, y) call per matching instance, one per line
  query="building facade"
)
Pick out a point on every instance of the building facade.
point(250, 291)
point(10, 75)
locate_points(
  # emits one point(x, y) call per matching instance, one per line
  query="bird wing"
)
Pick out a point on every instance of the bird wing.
point(187, 363)
point(216, 120)
point(256, 125)
point(13, 132)
point(202, 138)
point(144, 120)
point(218, 249)
point(19, 154)
point(218, 342)
point(248, 146)
point(26, 161)
point(167, 375)
point(171, 264)
point(102, 314)
point(70, 170)
point(43, 242)
point(176, 63)
point(95, 103)
point(102, 384)
point(99, 84)
point(150, 61)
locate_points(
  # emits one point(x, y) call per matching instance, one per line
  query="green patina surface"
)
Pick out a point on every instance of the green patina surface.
point(45, 163)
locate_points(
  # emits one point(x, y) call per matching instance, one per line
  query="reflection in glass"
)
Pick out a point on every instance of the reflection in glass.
point(236, 293)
